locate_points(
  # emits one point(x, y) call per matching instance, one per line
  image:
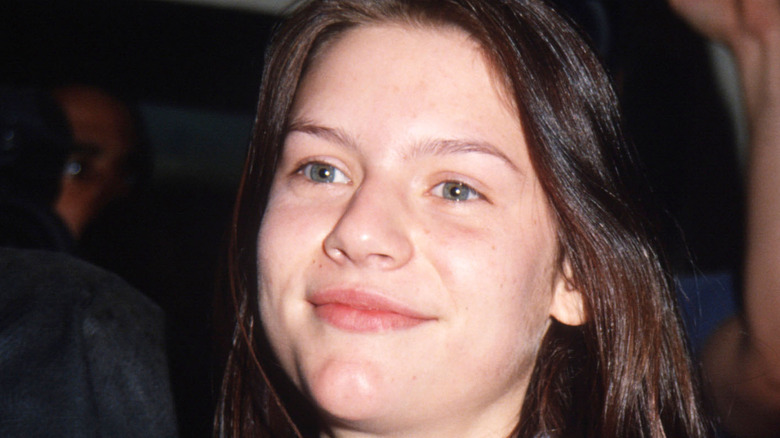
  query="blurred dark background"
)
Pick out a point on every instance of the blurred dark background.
point(194, 71)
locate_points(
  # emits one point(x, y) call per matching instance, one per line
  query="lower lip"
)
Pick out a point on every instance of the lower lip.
point(355, 319)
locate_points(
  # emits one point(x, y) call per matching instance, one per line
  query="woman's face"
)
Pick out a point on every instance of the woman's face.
point(407, 253)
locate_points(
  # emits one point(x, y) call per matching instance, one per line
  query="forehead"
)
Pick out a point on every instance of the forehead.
point(435, 37)
point(98, 119)
point(409, 68)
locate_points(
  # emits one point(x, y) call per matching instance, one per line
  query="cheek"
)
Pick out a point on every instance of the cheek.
point(499, 279)
point(500, 295)
point(269, 279)
point(287, 239)
point(280, 255)
point(506, 262)
point(289, 245)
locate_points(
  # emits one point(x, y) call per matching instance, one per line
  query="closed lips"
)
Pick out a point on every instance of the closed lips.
point(358, 311)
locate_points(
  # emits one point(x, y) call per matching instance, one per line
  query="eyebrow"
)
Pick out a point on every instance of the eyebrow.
point(432, 147)
point(334, 135)
point(439, 147)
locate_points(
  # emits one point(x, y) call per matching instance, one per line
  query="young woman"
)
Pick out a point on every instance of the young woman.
point(436, 235)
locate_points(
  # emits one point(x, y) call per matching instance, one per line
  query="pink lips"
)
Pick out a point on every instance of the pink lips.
point(357, 311)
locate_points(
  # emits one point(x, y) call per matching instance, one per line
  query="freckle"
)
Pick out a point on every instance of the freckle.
point(493, 247)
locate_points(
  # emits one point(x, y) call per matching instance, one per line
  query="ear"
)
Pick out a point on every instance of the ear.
point(568, 304)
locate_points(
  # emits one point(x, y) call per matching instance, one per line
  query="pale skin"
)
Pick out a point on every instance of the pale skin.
point(405, 178)
point(742, 359)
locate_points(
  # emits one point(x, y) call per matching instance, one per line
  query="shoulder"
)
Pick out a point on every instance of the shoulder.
point(53, 278)
point(83, 350)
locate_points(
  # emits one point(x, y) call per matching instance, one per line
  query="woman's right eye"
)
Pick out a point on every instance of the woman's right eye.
point(324, 173)
point(456, 191)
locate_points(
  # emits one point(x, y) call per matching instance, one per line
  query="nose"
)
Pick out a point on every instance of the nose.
point(372, 231)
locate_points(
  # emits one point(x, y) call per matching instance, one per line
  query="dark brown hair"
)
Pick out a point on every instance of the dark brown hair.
point(625, 372)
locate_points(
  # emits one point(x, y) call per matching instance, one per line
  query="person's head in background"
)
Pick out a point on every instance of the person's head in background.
point(456, 167)
point(108, 158)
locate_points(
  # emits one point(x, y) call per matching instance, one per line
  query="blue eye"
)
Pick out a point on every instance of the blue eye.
point(324, 173)
point(456, 191)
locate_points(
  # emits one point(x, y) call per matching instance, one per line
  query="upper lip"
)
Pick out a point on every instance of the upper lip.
point(363, 300)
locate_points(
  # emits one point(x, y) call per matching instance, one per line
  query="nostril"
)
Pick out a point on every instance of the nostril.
point(332, 250)
point(381, 261)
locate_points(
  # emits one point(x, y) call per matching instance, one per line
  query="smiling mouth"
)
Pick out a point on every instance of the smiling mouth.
point(356, 311)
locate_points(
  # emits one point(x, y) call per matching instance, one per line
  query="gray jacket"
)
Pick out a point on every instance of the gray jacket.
point(82, 354)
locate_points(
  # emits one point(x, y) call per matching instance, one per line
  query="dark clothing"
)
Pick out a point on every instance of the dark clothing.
point(27, 224)
point(81, 352)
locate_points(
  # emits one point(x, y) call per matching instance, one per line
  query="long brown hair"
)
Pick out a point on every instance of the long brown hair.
point(625, 372)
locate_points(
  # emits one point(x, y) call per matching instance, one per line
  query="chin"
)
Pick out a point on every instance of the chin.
point(351, 393)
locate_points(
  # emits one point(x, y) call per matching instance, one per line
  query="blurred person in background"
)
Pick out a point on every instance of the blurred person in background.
point(81, 352)
point(108, 158)
point(742, 358)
